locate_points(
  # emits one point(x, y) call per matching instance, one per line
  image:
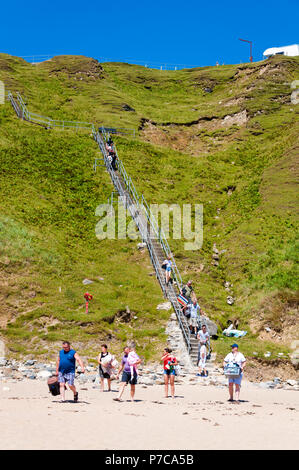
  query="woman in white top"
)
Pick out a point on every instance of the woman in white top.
point(203, 337)
point(237, 358)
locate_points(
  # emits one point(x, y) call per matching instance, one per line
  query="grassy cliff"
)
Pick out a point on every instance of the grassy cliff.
point(225, 137)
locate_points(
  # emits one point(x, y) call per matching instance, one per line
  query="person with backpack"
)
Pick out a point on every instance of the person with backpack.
point(66, 367)
point(185, 297)
point(235, 357)
point(167, 265)
point(105, 367)
point(169, 363)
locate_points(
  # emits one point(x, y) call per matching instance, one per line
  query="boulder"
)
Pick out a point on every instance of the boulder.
point(44, 374)
point(141, 246)
point(292, 382)
point(164, 306)
point(211, 326)
point(294, 357)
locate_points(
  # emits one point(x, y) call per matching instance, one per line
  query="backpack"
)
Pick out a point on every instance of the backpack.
point(53, 384)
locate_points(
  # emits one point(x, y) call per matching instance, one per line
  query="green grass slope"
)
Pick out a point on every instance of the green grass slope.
point(225, 137)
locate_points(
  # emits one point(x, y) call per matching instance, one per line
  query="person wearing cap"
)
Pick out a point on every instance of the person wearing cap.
point(235, 357)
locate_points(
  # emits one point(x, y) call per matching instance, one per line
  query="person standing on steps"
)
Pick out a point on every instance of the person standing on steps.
point(105, 367)
point(127, 377)
point(167, 265)
point(235, 357)
point(187, 291)
point(66, 367)
point(194, 310)
point(169, 363)
point(204, 338)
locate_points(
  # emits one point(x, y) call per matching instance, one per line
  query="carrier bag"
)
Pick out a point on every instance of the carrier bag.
point(53, 384)
point(232, 370)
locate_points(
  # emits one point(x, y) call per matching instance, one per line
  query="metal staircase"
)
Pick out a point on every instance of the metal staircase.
point(149, 229)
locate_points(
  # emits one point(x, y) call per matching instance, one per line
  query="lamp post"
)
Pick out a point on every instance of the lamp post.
point(250, 42)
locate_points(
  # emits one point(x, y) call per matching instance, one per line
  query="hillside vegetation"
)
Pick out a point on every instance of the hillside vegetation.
point(225, 137)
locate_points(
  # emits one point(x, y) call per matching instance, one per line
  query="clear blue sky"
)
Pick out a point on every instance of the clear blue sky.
point(178, 32)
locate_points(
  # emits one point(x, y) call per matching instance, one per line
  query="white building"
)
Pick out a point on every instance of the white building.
point(290, 51)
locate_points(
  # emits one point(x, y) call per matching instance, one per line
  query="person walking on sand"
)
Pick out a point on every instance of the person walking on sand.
point(235, 357)
point(204, 338)
point(105, 367)
point(167, 265)
point(125, 368)
point(169, 363)
point(66, 367)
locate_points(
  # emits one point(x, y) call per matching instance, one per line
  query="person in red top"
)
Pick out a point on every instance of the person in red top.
point(169, 363)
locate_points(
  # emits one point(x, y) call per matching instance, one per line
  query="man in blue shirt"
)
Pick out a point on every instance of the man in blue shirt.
point(66, 367)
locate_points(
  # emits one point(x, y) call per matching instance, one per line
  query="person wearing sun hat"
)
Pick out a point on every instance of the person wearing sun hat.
point(235, 357)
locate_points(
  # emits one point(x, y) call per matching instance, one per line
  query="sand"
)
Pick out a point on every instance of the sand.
point(198, 418)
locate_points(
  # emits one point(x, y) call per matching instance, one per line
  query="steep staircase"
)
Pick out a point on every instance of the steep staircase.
point(150, 232)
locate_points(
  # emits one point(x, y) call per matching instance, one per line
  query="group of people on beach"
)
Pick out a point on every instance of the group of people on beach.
point(128, 368)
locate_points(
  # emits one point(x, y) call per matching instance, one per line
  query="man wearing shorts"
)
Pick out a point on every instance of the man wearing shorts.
point(235, 357)
point(65, 369)
point(127, 377)
point(194, 310)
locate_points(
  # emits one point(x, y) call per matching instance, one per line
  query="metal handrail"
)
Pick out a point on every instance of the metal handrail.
point(143, 208)
point(136, 204)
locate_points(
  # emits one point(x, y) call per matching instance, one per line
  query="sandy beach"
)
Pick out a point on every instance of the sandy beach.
point(198, 418)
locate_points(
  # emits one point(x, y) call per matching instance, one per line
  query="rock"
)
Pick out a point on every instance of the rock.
point(126, 107)
point(146, 381)
point(82, 378)
point(292, 382)
point(164, 306)
point(3, 361)
point(141, 246)
point(2, 349)
point(294, 357)
point(87, 281)
point(44, 374)
point(230, 300)
point(295, 344)
point(31, 376)
point(211, 326)
point(30, 362)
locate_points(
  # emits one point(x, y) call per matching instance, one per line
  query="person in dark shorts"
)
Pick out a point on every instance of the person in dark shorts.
point(66, 367)
point(127, 377)
point(105, 367)
point(169, 363)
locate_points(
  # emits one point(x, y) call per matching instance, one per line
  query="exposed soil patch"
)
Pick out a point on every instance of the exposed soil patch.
point(75, 67)
point(277, 319)
point(196, 136)
point(258, 370)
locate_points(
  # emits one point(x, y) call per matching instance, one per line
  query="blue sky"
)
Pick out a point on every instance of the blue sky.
point(174, 32)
